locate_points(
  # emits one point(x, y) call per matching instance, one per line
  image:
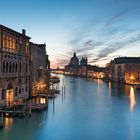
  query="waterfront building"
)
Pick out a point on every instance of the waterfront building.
point(124, 69)
point(40, 66)
point(14, 66)
point(82, 70)
point(95, 72)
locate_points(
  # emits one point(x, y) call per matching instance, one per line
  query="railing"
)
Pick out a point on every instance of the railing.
point(9, 50)
point(13, 74)
point(8, 74)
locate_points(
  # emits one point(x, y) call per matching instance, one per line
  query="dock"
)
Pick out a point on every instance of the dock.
point(12, 113)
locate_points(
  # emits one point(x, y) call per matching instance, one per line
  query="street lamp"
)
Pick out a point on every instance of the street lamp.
point(132, 78)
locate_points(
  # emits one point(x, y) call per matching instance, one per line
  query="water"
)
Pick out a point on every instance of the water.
point(89, 109)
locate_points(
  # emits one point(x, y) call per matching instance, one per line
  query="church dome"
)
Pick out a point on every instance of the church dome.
point(74, 60)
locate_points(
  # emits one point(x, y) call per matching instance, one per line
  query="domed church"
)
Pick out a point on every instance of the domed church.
point(74, 60)
point(74, 68)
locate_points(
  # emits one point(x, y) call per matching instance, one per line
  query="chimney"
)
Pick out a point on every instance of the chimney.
point(23, 31)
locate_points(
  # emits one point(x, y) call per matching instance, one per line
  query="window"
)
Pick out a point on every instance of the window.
point(26, 89)
point(3, 67)
point(26, 67)
point(20, 81)
point(7, 67)
point(3, 94)
point(16, 91)
point(19, 91)
point(20, 67)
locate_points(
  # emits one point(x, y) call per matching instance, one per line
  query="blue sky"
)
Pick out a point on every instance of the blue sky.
point(98, 29)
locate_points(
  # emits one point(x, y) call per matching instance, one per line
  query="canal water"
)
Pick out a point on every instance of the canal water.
point(87, 110)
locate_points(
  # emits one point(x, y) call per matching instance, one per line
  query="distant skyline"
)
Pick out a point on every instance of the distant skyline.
point(97, 29)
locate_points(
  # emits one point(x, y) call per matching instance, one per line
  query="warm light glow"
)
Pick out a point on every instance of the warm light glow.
point(9, 97)
point(132, 99)
point(8, 122)
point(132, 77)
point(42, 100)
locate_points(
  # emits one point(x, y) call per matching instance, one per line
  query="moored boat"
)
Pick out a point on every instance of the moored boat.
point(137, 86)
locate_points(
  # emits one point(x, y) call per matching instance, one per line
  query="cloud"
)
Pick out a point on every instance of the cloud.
point(116, 17)
point(87, 46)
point(115, 46)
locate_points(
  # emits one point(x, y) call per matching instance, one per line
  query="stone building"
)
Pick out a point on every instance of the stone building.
point(76, 69)
point(72, 67)
point(125, 70)
point(40, 66)
point(95, 72)
point(14, 66)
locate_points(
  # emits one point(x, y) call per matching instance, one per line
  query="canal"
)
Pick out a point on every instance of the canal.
point(88, 110)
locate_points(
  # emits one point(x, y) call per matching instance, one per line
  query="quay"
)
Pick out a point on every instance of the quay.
point(11, 113)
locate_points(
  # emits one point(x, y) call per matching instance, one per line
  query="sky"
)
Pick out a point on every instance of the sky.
point(97, 29)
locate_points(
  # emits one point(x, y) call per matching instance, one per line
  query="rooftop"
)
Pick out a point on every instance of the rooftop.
point(7, 28)
point(121, 60)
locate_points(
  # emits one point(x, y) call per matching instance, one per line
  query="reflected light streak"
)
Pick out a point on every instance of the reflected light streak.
point(8, 123)
point(110, 89)
point(98, 86)
point(132, 99)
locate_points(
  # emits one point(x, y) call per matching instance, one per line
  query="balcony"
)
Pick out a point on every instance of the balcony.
point(2, 75)
point(9, 50)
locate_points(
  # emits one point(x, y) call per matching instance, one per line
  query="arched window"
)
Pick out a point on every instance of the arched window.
point(15, 67)
point(7, 67)
point(10, 67)
point(26, 67)
point(3, 67)
point(19, 66)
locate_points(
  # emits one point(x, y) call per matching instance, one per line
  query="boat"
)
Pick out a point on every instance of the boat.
point(1, 121)
point(51, 96)
point(57, 91)
point(137, 86)
point(38, 106)
point(55, 79)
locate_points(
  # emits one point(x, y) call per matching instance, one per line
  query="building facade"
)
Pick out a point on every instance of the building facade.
point(14, 66)
point(125, 70)
point(95, 72)
point(40, 66)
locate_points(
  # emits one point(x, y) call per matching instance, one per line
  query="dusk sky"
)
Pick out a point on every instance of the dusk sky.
point(97, 29)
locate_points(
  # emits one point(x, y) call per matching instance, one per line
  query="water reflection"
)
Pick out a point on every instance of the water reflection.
point(132, 99)
point(119, 89)
point(110, 90)
point(98, 86)
point(8, 123)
